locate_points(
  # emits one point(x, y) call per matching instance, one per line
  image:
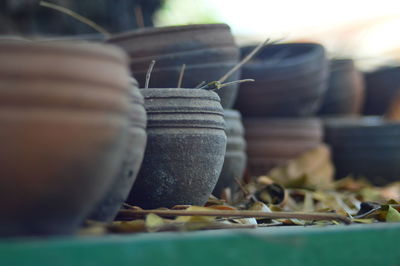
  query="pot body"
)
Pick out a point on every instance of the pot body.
point(117, 193)
point(345, 93)
point(235, 156)
point(185, 148)
point(367, 147)
point(290, 80)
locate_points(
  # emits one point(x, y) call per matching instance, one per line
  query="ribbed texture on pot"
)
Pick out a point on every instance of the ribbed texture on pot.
point(208, 51)
point(273, 142)
point(64, 122)
point(108, 207)
point(91, 76)
point(185, 149)
point(367, 147)
point(235, 156)
point(345, 94)
point(290, 80)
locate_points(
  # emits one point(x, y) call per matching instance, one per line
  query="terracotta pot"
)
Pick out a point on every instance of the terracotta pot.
point(108, 207)
point(235, 156)
point(185, 148)
point(367, 147)
point(58, 156)
point(382, 86)
point(274, 142)
point(165, 40)
point(290, 80)
point(345, 94)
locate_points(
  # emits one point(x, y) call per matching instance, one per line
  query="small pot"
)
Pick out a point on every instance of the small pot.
point(235, 156)
point(290, 80)
point(185, 148)
point(274, 142)
point(367, 147)
point(345, 94)
point(108, 207)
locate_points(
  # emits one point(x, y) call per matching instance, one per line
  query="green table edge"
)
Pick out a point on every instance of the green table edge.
point(376, 244)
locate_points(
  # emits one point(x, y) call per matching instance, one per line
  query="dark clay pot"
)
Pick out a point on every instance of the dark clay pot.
point(166, 40)
point(209, 51)
point(108, 207)
point(185, 148)
point(345, 94)
point(235, 156)
point(273, 142)
point(367, 147)
point(58, 157)
point(290, 81)
point(382, 87)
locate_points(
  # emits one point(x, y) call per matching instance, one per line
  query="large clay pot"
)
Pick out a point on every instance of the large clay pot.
point(209, 51)
point(235, 156)
point(345, 94)
point(368, 147)
point(272, 142)
point(108, 207)
point(185, 148)
point(290, 80)
point(58, 155)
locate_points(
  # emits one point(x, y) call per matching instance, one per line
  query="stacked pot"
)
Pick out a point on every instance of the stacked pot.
point(185, 149)
point(365, 147)
point(345, 93)
point(64, 131)
point(290, 82)
point(209, 51)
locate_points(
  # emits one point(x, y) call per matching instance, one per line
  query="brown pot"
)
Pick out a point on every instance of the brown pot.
point(117, 193)
point(273, 142)
point(58, 155)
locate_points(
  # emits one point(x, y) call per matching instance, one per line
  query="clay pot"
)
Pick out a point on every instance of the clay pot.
point(345, 94)
point(290, 81)
point(367, 147)
point(108, 207)
point(235, 156)
point(273, 142)
point(382, 86)
point(58, 155)
point(209, 51)
point(185, 148)
point(165, 40)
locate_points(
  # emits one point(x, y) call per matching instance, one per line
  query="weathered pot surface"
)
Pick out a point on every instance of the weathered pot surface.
point(108, 207)
point(185, 149)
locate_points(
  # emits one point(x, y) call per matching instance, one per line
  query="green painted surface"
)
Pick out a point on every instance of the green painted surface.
point(341, 245)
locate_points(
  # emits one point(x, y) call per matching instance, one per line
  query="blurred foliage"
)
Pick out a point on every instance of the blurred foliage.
point(180, 12)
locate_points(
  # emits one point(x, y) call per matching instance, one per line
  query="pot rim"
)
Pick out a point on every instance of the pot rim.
point(168, 29)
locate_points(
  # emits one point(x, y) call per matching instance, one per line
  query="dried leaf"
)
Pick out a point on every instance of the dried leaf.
point(154, 222)
point(196, 219)
point(392, 216)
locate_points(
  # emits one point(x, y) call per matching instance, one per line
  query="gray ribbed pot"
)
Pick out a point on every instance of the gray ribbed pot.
point(235, 156)
point(185, 148)
point(108, 207)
